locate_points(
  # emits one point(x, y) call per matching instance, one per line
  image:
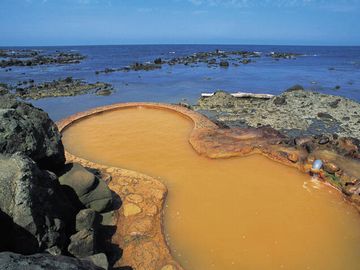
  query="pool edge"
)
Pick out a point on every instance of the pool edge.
point(207, 139)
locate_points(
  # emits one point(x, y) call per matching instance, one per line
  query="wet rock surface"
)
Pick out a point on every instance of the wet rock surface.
point(30, 58)
point(57, 88)
point(296, 112)
point(13, 261)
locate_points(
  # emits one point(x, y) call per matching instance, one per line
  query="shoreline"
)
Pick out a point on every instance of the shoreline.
point(295, 112)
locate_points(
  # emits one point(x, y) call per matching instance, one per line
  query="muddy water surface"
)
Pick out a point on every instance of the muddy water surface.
point(238, 213)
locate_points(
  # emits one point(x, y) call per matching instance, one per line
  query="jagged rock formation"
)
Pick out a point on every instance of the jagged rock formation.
point(37, 212)
point(26, 129)
point(32, 199)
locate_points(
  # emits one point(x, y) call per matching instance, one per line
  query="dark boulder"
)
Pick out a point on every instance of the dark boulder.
point(334, 104)
point(3, 90)
point(83, 243)
point(36, 213)
point(90, 190)
point(324, 115)
point(103, 92)
point(295, 87)
point(13, 261)
point(281, 100)
point(224, 64)
point(87, 219)
point(158, 61)
point(99, 259)
point(26, 129)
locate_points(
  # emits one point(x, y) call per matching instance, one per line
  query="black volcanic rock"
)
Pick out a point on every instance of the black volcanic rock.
point(36, 214)
point(26, 129)
point(224, 64)
point(91, 191)
point(13, 261)
point(83, 243)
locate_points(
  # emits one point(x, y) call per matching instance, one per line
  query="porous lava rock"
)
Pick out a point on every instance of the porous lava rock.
point(26, 129)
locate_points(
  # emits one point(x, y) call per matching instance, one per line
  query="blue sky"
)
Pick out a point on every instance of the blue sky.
point(88, 22)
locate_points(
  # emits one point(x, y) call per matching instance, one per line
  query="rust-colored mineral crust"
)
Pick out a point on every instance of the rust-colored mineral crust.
point(139, 230)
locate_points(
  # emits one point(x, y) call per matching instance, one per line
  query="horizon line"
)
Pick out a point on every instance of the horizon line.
point(192, 44)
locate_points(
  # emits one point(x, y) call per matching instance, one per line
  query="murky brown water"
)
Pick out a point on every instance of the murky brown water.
point(238, 213)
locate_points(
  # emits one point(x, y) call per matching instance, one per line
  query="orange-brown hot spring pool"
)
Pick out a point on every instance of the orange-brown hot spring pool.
point(236, 213)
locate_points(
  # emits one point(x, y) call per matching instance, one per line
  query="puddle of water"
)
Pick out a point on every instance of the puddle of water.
point(238, 213)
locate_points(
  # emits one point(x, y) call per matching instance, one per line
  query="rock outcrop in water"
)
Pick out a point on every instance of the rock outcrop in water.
point(57, 88)
point(215, 58)
point(28, 58)
point(39, 213)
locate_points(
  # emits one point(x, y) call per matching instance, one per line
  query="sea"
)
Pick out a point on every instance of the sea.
point(319, 69)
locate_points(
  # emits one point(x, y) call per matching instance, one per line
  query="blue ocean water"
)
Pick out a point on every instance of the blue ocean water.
point(319, 69)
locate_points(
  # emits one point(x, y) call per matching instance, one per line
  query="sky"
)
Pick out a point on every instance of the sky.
point(116, 22)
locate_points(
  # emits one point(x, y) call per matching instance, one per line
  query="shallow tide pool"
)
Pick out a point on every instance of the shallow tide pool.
point(239, 213)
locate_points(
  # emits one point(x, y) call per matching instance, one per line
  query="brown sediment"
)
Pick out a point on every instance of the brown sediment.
point(139, 230)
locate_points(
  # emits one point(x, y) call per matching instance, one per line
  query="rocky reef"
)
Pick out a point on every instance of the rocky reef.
point(216, 58)
point(57, 88)
point(48, 209)
point(30, 58)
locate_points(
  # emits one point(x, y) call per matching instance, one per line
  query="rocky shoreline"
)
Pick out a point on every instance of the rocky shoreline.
point(28, 58)
point(67, 215)
point(340, 157)
point(47, 206)
point(57, 88)
point(295, 112)
point(309, 125)
point(213, 59)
